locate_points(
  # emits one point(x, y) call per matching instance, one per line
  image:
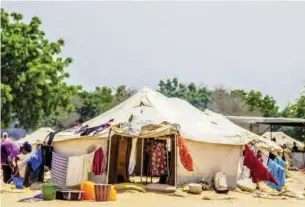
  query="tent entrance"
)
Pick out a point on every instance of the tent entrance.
point(142, 160)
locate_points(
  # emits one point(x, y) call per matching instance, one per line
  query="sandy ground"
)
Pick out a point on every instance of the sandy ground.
point(131, 199)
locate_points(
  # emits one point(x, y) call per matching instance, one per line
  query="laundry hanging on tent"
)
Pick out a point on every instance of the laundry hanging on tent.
point(258, 172)
point(59, 169)
point(278, 173)
point(278, 160)
point(185, 156)
point(98, 161)
point(158, 161)
point(78, 169)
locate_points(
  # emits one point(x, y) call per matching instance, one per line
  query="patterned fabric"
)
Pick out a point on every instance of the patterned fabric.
point(185, 156)
point(59, 169)
point(158, 162)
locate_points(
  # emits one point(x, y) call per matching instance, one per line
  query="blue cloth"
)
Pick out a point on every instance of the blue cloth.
point(278, 173)
point(280, 162)
point(36, 159)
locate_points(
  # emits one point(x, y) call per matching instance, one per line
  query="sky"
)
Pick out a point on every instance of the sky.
point(248, 45)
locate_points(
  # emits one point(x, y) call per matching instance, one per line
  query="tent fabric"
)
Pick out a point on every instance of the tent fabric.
point(225, 124)
point(148, 131)
point(37, 137)
point(151, 107)
point(282, 138)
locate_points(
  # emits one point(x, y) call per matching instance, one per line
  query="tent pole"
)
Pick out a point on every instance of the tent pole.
point(108, 156)
point(142, 151)
point(176, 168)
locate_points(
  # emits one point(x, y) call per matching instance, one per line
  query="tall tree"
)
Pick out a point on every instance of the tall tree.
point(257, 101)
point(33, 73)
point(96, 102)
point(198, 96)
point(228, 103)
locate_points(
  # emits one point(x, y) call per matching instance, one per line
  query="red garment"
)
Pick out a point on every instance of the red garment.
point(98, 161)
point(258, 172)
point(185, 156)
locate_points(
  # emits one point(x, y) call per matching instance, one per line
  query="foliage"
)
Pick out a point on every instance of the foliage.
point(100, 100)
point(228, 103)
point(256, 101)
point(198, 96)
point(33, 73)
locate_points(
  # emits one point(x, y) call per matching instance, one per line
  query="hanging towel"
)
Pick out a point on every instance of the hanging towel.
point(185, 156)
point(98, 161)
point(59, 169)
point(75, 170)
point(278, 173)
point(258, 172)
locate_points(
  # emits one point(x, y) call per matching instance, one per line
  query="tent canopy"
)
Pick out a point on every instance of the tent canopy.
point(37, 136)
point(151, 107)
point(282, 138)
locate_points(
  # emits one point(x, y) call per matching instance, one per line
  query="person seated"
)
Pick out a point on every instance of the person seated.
point(9, 158)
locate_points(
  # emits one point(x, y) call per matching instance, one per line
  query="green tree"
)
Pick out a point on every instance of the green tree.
point(95, 103)
point(257, 101)
point(33, 73)
point(198, 96)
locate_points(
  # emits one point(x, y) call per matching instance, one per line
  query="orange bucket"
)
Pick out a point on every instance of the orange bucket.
point(102, 192)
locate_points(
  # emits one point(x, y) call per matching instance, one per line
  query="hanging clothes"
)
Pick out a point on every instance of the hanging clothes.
point(98, 160)
point(257, 170)
point(47, 156)
point(36, 159)
point(278, 173)
point(78, 169)
point(158, 162)
point(185, 156)
point(280, 162)
point(59, 169)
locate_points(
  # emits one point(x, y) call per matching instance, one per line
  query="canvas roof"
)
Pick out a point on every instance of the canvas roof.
point(282, 138)
point(37, 136)
point(151, 107)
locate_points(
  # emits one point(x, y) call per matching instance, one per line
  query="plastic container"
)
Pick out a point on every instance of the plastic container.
point(102, 192)
point(88, 188)
point(72, 195)
point(113, 193)
point(18, 182)
point(48, 191)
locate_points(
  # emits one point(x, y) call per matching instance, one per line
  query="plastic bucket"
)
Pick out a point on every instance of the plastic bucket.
point(18, 182)
point(102, 192)
point(48, 191)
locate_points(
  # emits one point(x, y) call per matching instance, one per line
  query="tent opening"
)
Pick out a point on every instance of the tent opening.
point(142, 160)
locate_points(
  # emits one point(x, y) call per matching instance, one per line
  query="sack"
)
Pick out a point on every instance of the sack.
point(161, 187)
point(220, 181)
point(130, 186)
point(246, 185)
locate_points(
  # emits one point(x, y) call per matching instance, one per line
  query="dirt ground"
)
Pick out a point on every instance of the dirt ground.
point(131, 199)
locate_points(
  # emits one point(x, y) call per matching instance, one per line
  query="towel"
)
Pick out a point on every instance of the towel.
point(59, 169)
point(74, 170)
point(78, 169)
point(258, 172)
point(278, 173)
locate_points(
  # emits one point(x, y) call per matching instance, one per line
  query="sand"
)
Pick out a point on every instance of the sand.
point(131, 199)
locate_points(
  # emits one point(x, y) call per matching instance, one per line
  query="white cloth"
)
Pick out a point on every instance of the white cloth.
point(78, 169)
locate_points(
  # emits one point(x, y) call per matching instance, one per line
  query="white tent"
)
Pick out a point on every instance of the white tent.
point(37, 136)
point(282, 138)
point(214, 142)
